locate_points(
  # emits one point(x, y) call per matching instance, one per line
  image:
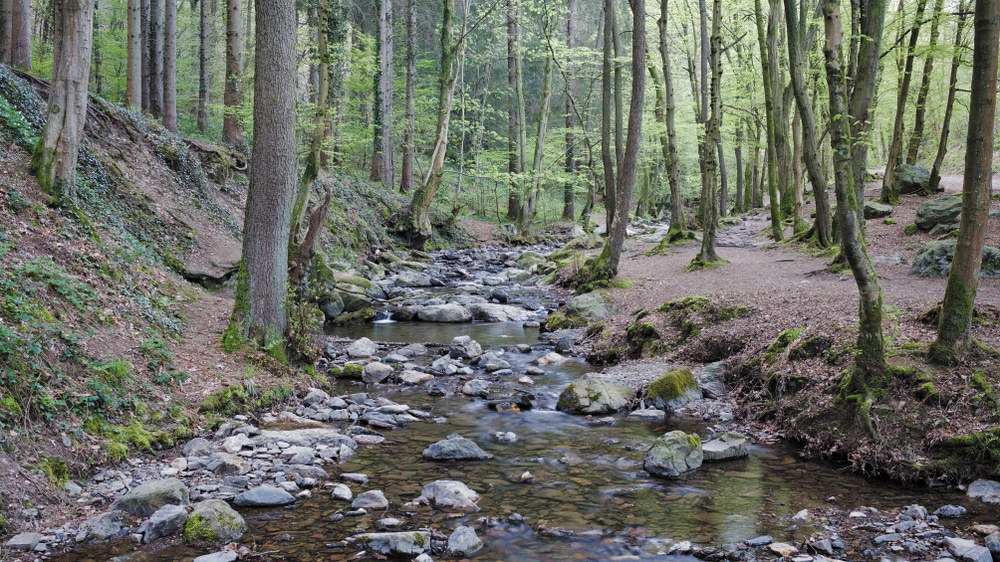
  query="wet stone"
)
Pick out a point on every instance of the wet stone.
point(950, 511)
point(455, 447)
point(371, 500)
point(264, 496)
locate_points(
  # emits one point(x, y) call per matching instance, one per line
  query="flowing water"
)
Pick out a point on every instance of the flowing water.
point(588, 498)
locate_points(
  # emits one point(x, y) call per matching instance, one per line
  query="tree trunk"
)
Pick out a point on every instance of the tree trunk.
point(406, 171)
point(740, 178)
point(890, 193)
point(156, 58)
point(864, 88)
point(823, 225)
point(607, 93)
point(382, 168)
point(420, 205)
point(781, 149)
point(133, 81)
point(144, 52)
point(677, 226)
point(55, 156)
point(723, 177)
point(520, 121)
point(314, 161)
point(529, 198)
point(272, 180)
point(232, 95)
point(956, 63)
point(917, 134)
point(707, 256)
point(769, 95)
point(954, 337)
point(6, 33)
point(98, 55)
point(170, 65)
point(869, 363)
point(569, 187)
point(19, 30)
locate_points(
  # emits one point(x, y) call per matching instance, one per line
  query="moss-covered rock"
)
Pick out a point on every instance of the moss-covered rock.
point(144, 500)
point(214, 521)
point(594, 395)
point(674, 454)
point(673, 390)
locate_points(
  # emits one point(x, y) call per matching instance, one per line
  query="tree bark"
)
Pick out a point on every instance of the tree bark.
point(6, 33)
point(569, 187)
point(133, 80)
point(956, 63)
point(783, 157)
point(156, 58)
point(769, 109)
point(954, 337)
point(406, 171)
point(204, 77)
point(917, 134)
point(144, 53)
point(864, 88)
point(607, 93)
point(382, 165)
point(529, 198)
point(273, 177)
point(677, 225)
point(707, 256)
point(55, 156)
point(19, 31)
point(890, 194)
point(170, 66)
point(314, 161)
point(740, 178)
point(520, 121)
point(232, 95)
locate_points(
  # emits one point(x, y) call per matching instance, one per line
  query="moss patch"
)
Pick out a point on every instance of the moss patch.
point(780, 344)
point(672, 385)
point(198, 528)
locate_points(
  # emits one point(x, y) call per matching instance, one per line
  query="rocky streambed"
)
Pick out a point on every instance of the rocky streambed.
point(507, 449)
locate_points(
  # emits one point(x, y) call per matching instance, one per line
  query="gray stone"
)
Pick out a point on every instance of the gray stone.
point(166, 521)
point(455, 447)
point(298, 455)
point(673, 390)
point(888, 537)
point(445, 313)
point(331, 305)
point(875, 210)
point(673, 454)
point(565, 344)
point(102, 527)
point(729, 445)
point(936, 211)
point(223, 556)
point(950, 511)
point(476, 387)
point(263, 496)
point(915, 511)
point(488, 312)
point(414, 377)
point(197, 447)
point(444, 365)
point(342, 492)
point(908, 179)
point(491, 363)
point(376, 372)
point(552, 358)
point(592, 306)
point(464, 347)
point(986, 491)
point(463, 542)
point(362, 349)
point(309, 437)
point(822, 546)
point(214, 521)
point(992, 542)
point(451, 495)
point(409, 543)
point(967, 551)
point(225, 464)
point(237, 443)
point(649, 414)
point(144, 500)
point(594, 395)
point(372, 500)
point(762, 540)
point(24, 541)
point(315, 396)
point(935, 258)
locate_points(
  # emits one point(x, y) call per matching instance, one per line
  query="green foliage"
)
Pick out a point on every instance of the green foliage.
point(911, 229)
point(55, 468)
point(68, 286)
point(197, 528)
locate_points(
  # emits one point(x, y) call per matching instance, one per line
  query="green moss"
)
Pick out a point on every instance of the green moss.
point(928, 391)
point(889, 221)
point(911, 229)
point(225, 401)
point(672, 385)
point(560, 320)
point(348, 371)
point(694, 440)
point(235, 335)
point(10, 408)
point(116, 451)
point(55, 468)
point(780, 344)
point(362, 316)
point(641, 338)
point(198, 528)
point(814, 346)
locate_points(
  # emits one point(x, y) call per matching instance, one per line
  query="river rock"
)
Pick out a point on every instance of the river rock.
point(197, 447)
point(297, 454)
point(729, 445)
point(362, 348)
point(934, 260)
point(992, 542)
point(455, 447)
point(24, 541)
point(491, 363)
point(263, 496)
point(943, 210)
point(407, 544)
point(445, 313)
point(445, 365)
point(967, 551)
point(145, 499)
point(673, 390)
point(986, 491)
point(411, 278)
point(908, 179)
point(476, 387)
point(591, 306)
point(214, 521)
point(308, 437)
point(225, 464)
point(331, 305)
point(464, 347)
point(371, 500)
point(565, 344)
point(414, 377)
point(552, 358)
point(673, 454)
point(487, 312)
point(237, 443)
point(103, 527)
point(594, 395)
point(342, 492)
point(875, 210)
point(451, 495)
point(166, 521)
point(463, 542)
point(376, 372)
point(221, 556)
point(950, 511)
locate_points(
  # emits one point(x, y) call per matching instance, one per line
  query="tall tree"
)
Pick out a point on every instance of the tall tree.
point(55, 156)
point(156, 57)
point(677, 225)
point(516, 124)
point(864, 88)
point(707, 255)
point(570, 186)
point(607, 93)
point(956, 63)
point(204, 78)
point(144, 52)
point(532, 191)
point(954, 337)
point(869, 360)
point(382, 165)
point(406, 170)
point(232, 95)
point(890, 192)
point(19, 31)
point(170, 65)
point(259, 312)
point(919, 118)
point(133, 81)
point(769, 109)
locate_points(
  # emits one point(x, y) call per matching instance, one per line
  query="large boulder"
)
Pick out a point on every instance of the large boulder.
point(673, 454)
point(875, 210)
point(464, 347)
point(673, 390)
point(592, 306)
point(263, 496)
point(934, 260)
point(362, 348)
point(404, 544)
point(908, 179)
point(729, 445)
point(594, 395)
point(376, 372)
point(940, 211)
point(457, 448)
point(144, 500)
point(986, 491)
point(166, 521)
point(488, 312)
point(214, 521)
point(451, 495)
point(445, 313)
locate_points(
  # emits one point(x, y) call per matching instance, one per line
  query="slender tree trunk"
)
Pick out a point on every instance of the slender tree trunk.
point(144, 53)
point(723, 176)
point(569, 187)
point(314, 162)
point(917, 134)
point(864, 88)
point(382, 164)
point(956, 63)
point(273, 178)
point(890, 192)
point(55, 156)
point(520, 122)
point(740, 178)
point(677, 226)
point(607, 93)
point(98, 72)
point(869, 362)
point(529, 198)
point(133, 81)
point(20, 34)
point(232, 96)
point(170, 66)
point(156, 58)
point(204, 77)
point(769, 95)
point(954, 337)
point(6, 33)
point(783, 155)
point(406, 171)
point(707, 255)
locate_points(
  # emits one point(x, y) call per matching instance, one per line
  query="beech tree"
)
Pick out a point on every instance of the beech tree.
point(707, 256)
point(15, 35)
point(55, 156)
point(956, 62)
point(232, 97)
point(133, 86)
point(954, 336)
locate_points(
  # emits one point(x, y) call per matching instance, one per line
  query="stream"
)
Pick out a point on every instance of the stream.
point(566, 489)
